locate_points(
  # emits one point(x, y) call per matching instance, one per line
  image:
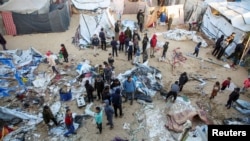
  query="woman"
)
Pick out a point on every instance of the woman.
point(64, 53)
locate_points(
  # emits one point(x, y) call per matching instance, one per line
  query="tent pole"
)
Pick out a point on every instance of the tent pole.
point(246, 48)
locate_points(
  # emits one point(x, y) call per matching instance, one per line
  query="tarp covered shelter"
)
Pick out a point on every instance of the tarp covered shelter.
point(91, 4)
point(230, 17)
point(34, 17)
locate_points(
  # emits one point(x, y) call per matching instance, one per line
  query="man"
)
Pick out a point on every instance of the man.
point(117, 30)
point(3, 42)
point(183, 79)
point(153, 43)
point(233, 97)
point(138, 16)
point(141, 21)
point(130, 88)
point(109, 111)
point(95, 43)
point(174, 91)
point(102, 36)
point(170, 20)
point(48, 115)
point(144, 42)
point(117, 102)
point(114, 47)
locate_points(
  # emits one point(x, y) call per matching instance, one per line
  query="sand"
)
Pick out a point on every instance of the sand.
point(51, 41)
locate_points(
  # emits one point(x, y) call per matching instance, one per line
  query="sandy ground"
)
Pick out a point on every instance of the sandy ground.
point(52, 41)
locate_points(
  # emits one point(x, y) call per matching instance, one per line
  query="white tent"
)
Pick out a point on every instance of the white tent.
point(233, 18)
point(90, 25)
point(91, 4)
point(26, 6)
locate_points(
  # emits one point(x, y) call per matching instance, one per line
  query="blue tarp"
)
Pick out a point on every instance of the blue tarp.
point(17, 65)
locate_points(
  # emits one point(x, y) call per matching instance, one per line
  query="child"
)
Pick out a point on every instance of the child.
point(197, 48)
point(109, 113)
point(64, 53)
point(225, 84)
point(216, 88)
point(98, 119)
point(144, 56)
point(69, 123)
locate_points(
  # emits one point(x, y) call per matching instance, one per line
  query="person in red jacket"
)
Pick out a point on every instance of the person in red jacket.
point(153, 43)
point(69, 123)
point(122, 41)
point(225, 84)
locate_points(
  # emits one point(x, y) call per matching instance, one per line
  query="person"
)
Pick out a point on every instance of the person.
point(117, 29)
point(114, 47)
point(109, 111)
point(64, 53)
point(153, 43)
point(107, 72)
point(52, 63)
point(141, 21)
point(165, 49)
point(102, 36)
point(69, 123)
point(136, 39)
point(217, 45)
point(233, 97)
point(137, 56)
point(117, 102)
point(183, 79)
point(3, 42)
point(116, 84)
point(100, 71)
point(99, 86)
point(197, 48)
point(127, 40)
point(89, 89)
point(128, 33)
point(95, 43)
point(237, 51)
point(246, 84)
point(111, 60)
point(216, 89)
point(173, 91)
point(144, 56)
point(144, 42)
point(138, 16)
point(122, 41)
point(106, 93)
point(231, 38)
point(48, 115)
point(170, 20)
point(98, 119)
point(66, 91)
point(225, 83)
point(130, 51)
point(224, 44)
point(129, 88)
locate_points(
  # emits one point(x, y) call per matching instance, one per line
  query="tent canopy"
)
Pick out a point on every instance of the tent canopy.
point(237, 12)
point(91, 4)
point(26, 6)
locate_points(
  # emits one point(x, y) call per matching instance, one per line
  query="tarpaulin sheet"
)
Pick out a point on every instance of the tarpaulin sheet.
point(9, 24)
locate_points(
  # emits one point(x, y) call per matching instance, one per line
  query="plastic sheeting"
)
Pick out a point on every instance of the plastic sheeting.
point(91, 4)
point(181, 34)
point(19, 65)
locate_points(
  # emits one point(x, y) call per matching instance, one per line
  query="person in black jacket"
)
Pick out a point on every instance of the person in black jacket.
point(99, 86)
point(102, 37)
point(3, 42)
point(89, 89)
point(117, 102)
point(233, 97)
point(217, 45)
point(183, 80)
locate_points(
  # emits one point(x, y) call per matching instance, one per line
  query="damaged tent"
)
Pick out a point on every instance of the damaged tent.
point(91, 24)
point(17, 68)
point(32, 16)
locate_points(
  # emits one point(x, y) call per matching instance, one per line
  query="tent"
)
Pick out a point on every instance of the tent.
point(230, 17)
point(92, 24)
point(32, 16)
point(91, 4)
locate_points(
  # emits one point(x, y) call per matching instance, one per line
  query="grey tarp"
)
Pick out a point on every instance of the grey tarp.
point(59, 18)
point(31, 23)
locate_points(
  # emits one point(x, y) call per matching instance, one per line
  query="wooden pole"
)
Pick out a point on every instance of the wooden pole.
point(246, 48)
